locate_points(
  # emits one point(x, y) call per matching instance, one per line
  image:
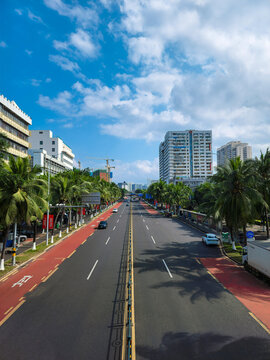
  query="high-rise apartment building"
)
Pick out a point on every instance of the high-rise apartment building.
point(186, 154)
point(14, 125)
point(54, 146)
point(232, 150)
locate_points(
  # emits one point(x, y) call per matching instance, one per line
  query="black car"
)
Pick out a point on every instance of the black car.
point(103, 225)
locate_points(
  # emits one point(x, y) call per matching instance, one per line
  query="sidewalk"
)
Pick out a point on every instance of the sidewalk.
point(14, 287)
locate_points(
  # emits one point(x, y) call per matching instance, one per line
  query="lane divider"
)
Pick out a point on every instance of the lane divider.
point(128, 344)
point(91, 272)
point(153, 239)
point(107, 240)
point(167, 268)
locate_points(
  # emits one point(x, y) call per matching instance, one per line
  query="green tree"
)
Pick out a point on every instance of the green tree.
point(262, 169)
point(236, 194)
point(22, 195)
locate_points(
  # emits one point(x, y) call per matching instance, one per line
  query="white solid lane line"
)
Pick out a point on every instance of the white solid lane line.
point(167, 268)
point(93, 268)
point(153, 239)
point(107, 240)
point(114, 228)
point(147, 227)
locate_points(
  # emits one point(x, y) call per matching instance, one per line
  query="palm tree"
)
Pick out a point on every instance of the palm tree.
point(22, 195)
point(236, 194)
point(262, 169)
point(157, 191)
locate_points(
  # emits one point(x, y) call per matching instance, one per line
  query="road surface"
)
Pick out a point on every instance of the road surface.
point(181, 311)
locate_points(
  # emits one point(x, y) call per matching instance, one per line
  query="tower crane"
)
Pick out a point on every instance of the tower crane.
point(108, 166)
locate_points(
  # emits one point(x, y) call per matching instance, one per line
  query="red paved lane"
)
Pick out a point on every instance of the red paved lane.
point(252, 292)
point(149, 209)
point(13, 289)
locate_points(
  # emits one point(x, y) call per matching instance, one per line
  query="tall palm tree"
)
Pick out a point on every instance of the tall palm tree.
point(262, 169)
point(236, 194)
point(22, 195)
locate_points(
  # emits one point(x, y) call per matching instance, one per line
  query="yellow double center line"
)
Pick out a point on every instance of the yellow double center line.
point(129, 314)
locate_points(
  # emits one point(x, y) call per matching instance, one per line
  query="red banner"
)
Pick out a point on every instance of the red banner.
point(44, 222)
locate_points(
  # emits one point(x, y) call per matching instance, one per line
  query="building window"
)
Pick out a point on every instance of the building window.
point(40, 148)
point(40, 132)
point(53, 149)
point(41, 143)
point(53, 142)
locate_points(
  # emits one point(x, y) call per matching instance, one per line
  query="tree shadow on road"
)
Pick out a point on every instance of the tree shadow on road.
point(207, 346)
point(189, 277)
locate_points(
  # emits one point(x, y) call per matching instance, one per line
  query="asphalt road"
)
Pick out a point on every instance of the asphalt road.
point(77, 313)
point(181, 312)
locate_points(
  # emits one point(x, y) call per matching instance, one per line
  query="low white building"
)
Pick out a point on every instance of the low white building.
point(46, 162)
point(53, 146)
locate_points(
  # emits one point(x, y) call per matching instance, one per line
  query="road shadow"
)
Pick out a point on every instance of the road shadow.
point(207, 346)
point(189, 277)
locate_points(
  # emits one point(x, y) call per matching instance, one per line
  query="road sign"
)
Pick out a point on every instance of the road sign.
point(250, 234)
point(91, 198)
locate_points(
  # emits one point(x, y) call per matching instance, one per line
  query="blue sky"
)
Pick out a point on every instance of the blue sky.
point(110, 77)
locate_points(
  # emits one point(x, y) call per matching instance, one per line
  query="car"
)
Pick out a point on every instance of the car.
point(115, 210)
point(103, 225)
point(127, 205)
point(210, 239)
point(168, 214)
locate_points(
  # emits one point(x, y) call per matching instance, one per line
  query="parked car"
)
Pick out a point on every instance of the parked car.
point(168, 214)
point(115, 210)
point(103, 225)
point(127, 205)
point(210, 239)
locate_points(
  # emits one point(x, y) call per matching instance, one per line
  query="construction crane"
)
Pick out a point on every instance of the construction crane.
point(108, 166)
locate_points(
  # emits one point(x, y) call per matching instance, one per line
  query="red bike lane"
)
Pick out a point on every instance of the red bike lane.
point(149, 209)
point(26, 279)
point(253, 293)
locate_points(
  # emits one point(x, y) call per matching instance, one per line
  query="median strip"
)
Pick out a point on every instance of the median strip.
point(128, 344)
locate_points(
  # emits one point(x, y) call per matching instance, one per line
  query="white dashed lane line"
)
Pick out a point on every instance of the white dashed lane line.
point(167, 268)
point(153, 239)
point(114, 228)
point(107, 240)
point(91, 272)
point(147, 227)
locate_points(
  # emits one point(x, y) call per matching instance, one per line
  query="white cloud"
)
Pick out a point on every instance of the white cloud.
point(3, 44)
point(64, 63)
point(34, 17)
point(18, 11)
point(84, 16)
point(28, 52)
point(136, 172)
point(48, 80)
point(62, 103)
point(203, 64)
point(35, 82)
point(80, 43)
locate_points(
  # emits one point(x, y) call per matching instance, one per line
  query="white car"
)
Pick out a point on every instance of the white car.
point(115, 210)
point(210, 239)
